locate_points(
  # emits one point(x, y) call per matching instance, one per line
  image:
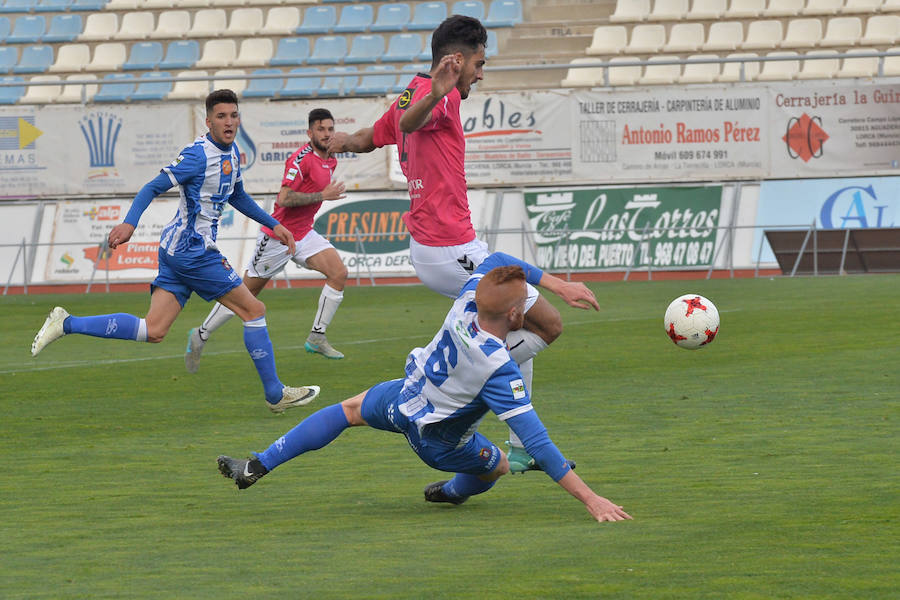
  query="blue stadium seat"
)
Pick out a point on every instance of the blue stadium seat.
point(336, 84)
point(264, 88)
point(291, 51)
point(18, 6)
point(27, 30)
point(147, 89)
point(407, 73)
point(428, 16)
point(355, 18)
point(144, 56)
point(63, 28)
point(116, 92)
point(35, 59)
point(504, 13)
point(301, 86)
point(11, 94)
point(181, 54)
point(329, 50)
point(378, 82)
point(4, 28)
point(469, 8)
point(403, 47)
point(365, 49)
point(493, 44)
point(52, 6)
point(318, 19)
point(425, 55)
point(9, 57)
point(88, 5)
point(391, 17)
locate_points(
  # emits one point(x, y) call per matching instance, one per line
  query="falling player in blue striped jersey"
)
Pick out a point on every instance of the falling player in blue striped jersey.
point(208, 175)
point(450, 385)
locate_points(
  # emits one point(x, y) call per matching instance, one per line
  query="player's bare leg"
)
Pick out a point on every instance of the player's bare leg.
point(329, 263)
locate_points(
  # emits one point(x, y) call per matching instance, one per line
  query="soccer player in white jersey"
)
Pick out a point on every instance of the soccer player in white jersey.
point(424, 123)
point(449, 386)
point(307, 182)
point(208, 175)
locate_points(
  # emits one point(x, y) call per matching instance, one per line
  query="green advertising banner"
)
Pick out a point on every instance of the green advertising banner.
point(609, 228)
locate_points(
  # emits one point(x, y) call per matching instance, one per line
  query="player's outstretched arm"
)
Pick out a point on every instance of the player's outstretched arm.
point(289, 198)
point(360, 141)
point(599, 507)
point(443, 79)
point(122, 232)
point(573, 293)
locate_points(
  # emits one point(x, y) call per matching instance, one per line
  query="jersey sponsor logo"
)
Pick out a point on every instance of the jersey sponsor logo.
point(226, 167)
point(177, 160)
point(405, 99)
point(518, 388)
point(291, 174)
point(101, 133)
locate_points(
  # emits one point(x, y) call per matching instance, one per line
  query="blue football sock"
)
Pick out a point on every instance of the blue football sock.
point(256, 339)
point(120, 326)
point(464, 485)
point(313, 432)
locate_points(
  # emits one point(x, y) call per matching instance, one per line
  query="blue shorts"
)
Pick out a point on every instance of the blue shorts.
point(199, 270)
point(476, 457)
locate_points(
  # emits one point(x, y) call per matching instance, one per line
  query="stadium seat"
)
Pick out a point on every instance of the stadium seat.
point(218, 3)
point(181, 54)
point(63, 28)
point(281, 20)
point(107, 57)
point(391, 17)
point(493, 44)
point(122, 5)
point(50, 6)
point(583, 76)
point(731, 71)
point(365, 49)
point(208, 23)
point(264, 88)
point(700, 72)
point(27, 30)
point(469, 8)
point(318, 19)
point(11, 94)
point(881, 30)
point(779, 70)
point(189, 90)
point(18, 6)
point(504, 13)
point(822, 68)
point(822, 7)
point(425, 55)
point(428, 16)
point(335, 84)
point(135, 26)
point(892, 64)
point(745, 9)
point(9, 58)
point(685, 37)
point(378, 82)
point(245, 22)
point(763, 34)
point(291, 51)
point(254, 52)
point(167, 4)
point(724, 35)
point(660, 74)
point(87, 6)
point(802, 33)
point(34, 59)
point(329, 50)
point(607, 39)
point(172, 24)
point(668, 10)
point(194, 3)
point(143, 56)
point(842, 31)
point(217, 54)
point(630, 11)
point(230, 79)
point(707, 9)
point(78, 92)
point(403, 47)
point(116, 92)
point(355, 18)
point(5, 28)
point(783, 8)
point(301, 86)
point(646, 39)
point(861, 6)
point(149, 89)
point(859, 67)
point(624, 75)
point(71, 58)
point(99, 27)
point(42, 94)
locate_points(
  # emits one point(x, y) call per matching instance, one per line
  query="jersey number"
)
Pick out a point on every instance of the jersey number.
point(444, 354)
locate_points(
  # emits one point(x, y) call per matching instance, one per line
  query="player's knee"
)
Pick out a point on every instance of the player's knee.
point(502, 468)
point(155, 334)
point(255, 310)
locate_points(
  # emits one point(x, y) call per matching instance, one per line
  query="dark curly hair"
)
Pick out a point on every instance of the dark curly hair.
point(457, 33)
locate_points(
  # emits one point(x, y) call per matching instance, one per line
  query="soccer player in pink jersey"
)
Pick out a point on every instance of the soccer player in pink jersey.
point(307, 182)
point(425, 125)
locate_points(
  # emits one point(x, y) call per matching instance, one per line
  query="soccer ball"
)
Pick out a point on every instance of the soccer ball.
point(692, 321)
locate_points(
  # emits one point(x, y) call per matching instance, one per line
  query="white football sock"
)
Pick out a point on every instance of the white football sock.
point(217, 317)
point(329, 301)
point(524, 345)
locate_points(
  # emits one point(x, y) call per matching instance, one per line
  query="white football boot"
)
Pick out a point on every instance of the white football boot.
point(294, 396)
point(51, 331)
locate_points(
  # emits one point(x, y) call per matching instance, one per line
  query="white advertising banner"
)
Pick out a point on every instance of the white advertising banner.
point(669, 134)
point(824, 129)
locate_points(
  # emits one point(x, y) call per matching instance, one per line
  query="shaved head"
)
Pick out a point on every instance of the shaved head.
point(501, 295)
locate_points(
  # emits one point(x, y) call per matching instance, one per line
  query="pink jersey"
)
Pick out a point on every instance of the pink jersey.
point(305, 172)
point(433, 160)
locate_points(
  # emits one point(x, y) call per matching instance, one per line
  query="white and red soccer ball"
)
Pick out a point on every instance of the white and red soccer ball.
point(691, 321)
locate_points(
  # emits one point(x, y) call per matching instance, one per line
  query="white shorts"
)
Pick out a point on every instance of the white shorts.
point(270, 256)
point(445, 269)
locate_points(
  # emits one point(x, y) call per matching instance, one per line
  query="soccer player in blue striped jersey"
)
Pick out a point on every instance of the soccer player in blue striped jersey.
point(208, 175)
point(450, 385)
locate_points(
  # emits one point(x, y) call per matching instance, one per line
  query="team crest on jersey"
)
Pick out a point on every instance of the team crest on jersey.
point(226, 265)
point(226, 167)
point(485, 454)
point(518, 388)
point(405, 98)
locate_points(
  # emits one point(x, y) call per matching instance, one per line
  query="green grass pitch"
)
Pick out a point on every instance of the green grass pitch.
point(763, 466)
